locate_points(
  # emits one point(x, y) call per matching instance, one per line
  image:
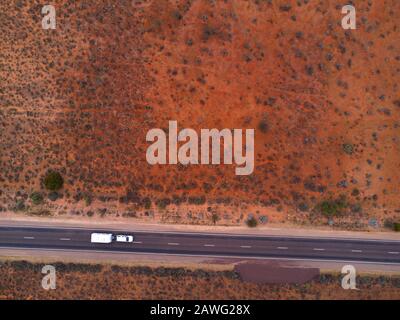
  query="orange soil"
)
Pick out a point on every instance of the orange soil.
point(80, 100)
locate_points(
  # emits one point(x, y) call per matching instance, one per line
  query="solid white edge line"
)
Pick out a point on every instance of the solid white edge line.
point(212, 256)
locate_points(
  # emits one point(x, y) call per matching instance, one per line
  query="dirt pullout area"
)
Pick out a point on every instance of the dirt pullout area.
point(324, 102)
point(270, 273)
point(22, 280)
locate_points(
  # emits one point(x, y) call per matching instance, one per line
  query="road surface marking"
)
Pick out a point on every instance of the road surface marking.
point(138, 242)
point(245, 246)
point(319, 249)
point(356, 250)
point(209, 245)
point(212, 255)
point(282, 248)
point(173, 244)
point(393, 252)
point(65, 239)
point(29, 237)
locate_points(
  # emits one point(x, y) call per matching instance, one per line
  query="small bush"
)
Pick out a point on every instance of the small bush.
point(252, 222)
point(197, 200)
point(53, 196)
point(88, 199)
point(330, 208)
point(19, 205)
point(163, 203)
point(215, 218)
point(37, 198)
point(147, 203)
point(53, 181)
point(396, 226)
point(263, 126)
point(348, 148)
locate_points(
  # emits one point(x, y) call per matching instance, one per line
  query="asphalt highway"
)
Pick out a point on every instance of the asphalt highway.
point(203, 244)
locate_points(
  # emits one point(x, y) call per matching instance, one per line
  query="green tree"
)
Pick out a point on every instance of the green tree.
point(53, 181)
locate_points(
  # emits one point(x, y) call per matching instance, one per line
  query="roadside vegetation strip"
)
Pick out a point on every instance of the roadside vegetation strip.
point(177, 283)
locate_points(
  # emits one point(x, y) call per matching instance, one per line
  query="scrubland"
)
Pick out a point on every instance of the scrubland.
point(324, 102)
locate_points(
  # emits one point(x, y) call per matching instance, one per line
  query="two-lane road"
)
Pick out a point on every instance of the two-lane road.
point(203, 244)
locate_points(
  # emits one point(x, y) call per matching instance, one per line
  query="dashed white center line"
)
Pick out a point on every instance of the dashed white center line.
point(173, 244)
point(138, 242)
point(282, 248)
point(356, 250)
point(245, 246)
point(393, 252)
point(319, 249)
point(65, 239)
point(29, 238)
point(209, 245)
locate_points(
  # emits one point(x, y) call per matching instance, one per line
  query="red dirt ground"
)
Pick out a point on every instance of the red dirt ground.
point(81, 98)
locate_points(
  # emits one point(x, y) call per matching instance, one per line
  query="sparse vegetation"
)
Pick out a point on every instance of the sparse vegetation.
point(316, 135)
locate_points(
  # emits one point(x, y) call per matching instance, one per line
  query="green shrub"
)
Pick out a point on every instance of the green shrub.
point(37, 198)
point(53, 196)
point(348, 148)
point(197, 200)
point(147, 203)
point(331, 208)
point(252, 222)
point(396, 226)
point(263, 126)
point(215, 218)
point(19, 205)
point(53, 181)
point(88, 199)
point(163, 203)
